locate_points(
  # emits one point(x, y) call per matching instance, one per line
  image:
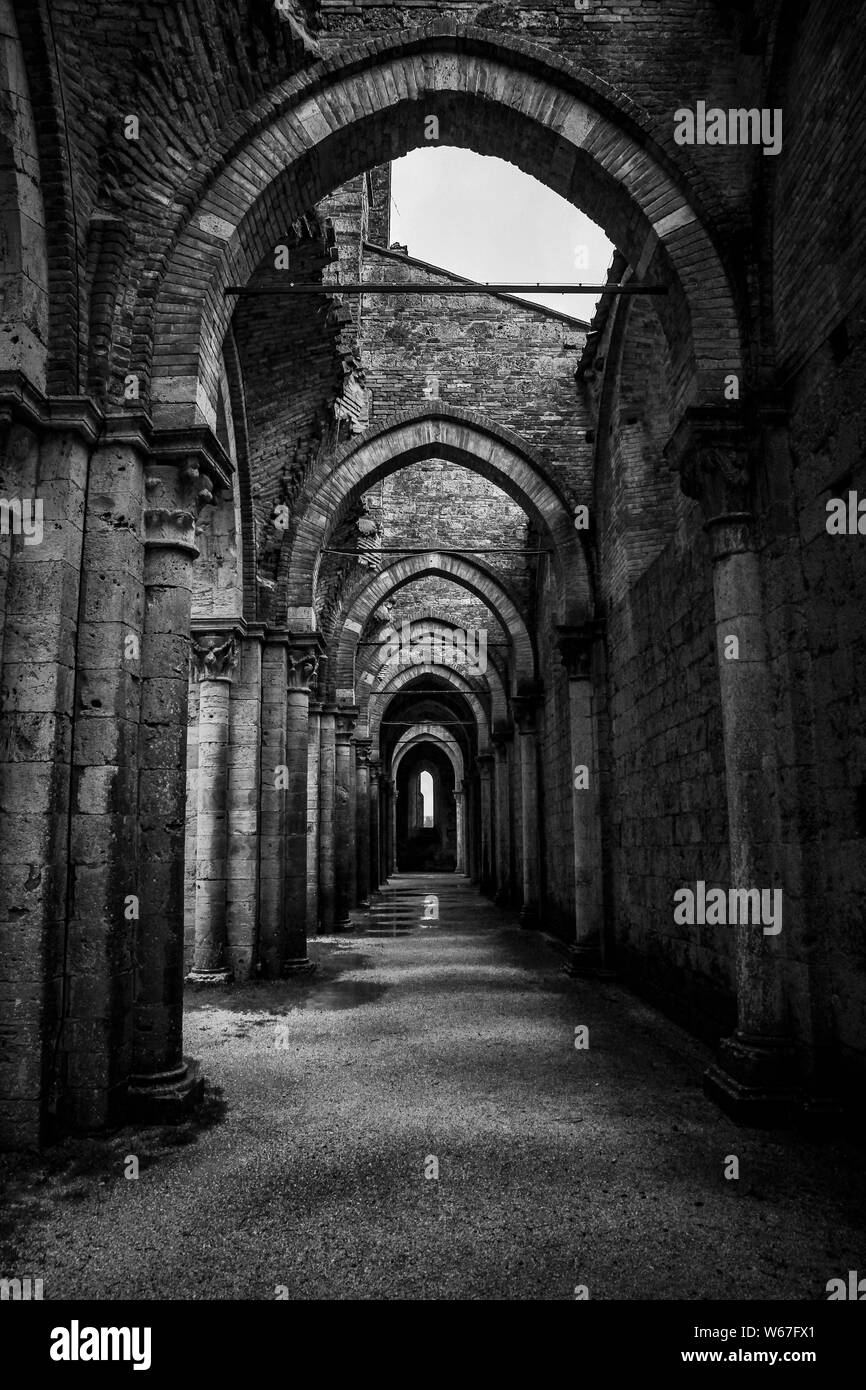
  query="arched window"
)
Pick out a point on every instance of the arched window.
point(425, 788)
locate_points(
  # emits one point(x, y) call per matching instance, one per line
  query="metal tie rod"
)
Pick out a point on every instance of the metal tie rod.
point(414, 287)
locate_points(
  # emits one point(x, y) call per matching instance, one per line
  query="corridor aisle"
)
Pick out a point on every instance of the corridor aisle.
point(440, 1037)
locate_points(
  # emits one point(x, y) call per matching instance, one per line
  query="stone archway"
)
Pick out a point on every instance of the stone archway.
point(441, 431)
point(497, 96)
point(471, 575)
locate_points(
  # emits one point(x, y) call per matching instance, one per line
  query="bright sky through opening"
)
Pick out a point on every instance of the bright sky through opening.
point(485, 219)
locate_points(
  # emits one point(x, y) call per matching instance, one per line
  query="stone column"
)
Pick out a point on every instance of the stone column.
point(755, 1076)
point(503, 734)
point(390, 827)
point(525, 712)
point(163, 1082)
point(576, 649)
point(375, 825)
point(46, 1032)
point(459, 802)
point(345, 857)
point(244, 797)
point(302, 661)
point(362, 818)
point(313, 756)
point(485, 773)
point(272, 806)
point(214, 657)
point(326, 820)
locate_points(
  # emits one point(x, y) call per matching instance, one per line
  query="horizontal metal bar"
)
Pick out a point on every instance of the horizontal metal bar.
point(413, 723)
point(419, 690)
point(436, 550)
point(414, 287)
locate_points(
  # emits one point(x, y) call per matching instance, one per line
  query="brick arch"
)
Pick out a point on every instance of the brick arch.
point(496, 95)
point(430, 733)
point(484, 687)
point(434, 431)
point(24, 279)
point(461, 687)
point(470, 574)
point(367, 680)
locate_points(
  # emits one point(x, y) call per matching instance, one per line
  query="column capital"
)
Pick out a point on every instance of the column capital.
point(525, 705)
point(485, 763)
point(301, 667)
point(345, 719)
point(576, 643)
point(214, 656)
point(184, 470)
point(363, 748)
point(713, 452)
point(501, 734)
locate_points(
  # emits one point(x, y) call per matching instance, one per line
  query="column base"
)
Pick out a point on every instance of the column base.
point(205, 979)
point(529, 917)
point(302, 965)
point(754, 1080)
point(582, 960)
point(166, 1097)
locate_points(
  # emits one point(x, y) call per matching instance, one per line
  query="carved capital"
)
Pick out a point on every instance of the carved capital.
point(363, 750)
point(344, 722)
point(502, 734)
point(525, 711)
point(301, 667)
point(214, 658)
point(575, 644)
point(712, 453)
point(525, 705)
point(175, 494)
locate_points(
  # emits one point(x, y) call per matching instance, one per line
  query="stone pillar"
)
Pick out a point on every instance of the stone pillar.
point(313, 756)
point(244, 796)
point(460, 804)
point(104, 878)
point(755, 1076)
point(302, 661)
point(345, 856)
point(485, 773)
point(214, 657)
point(362, 818)
point(576, 649)
point(375, 825)
point(503, 734)
point(390, 827)
point(525, 712)
point(163, 1082)
point(272, 806)
point(326, 820)
point(44, 1029)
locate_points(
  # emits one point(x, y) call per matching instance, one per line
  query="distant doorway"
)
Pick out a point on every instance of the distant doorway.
point(426, 813)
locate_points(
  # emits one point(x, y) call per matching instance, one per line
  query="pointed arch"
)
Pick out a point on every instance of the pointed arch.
point(492, 93)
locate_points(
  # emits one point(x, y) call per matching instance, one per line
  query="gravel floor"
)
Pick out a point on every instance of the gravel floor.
point(449, 1040)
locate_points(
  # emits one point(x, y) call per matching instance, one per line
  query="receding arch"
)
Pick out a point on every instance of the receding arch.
point(489, 685)
point(497, 95)
point(470, 574)
point(450, 678)
point(430, 733)
point(434, 431)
